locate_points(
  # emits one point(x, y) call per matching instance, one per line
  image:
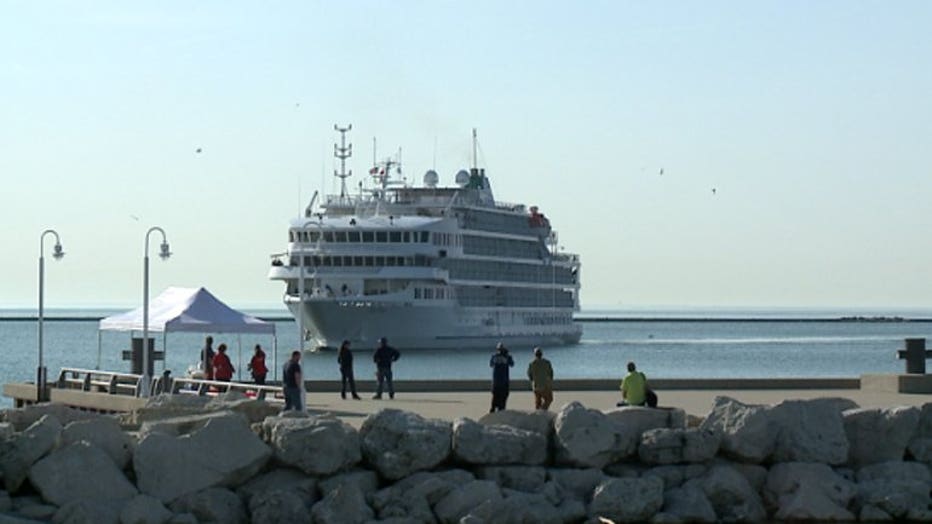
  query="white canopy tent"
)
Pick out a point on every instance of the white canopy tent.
point(187, 310)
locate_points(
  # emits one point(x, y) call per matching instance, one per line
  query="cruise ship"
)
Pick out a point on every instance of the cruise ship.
point(427, 267)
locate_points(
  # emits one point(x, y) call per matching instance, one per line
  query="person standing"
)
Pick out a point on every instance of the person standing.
point(292, 383)
point(223, 368)
point(257, 366)
point(500, 362)
point(383, 357)
point(633, 387)
point(540, 373)
point(207, 358)
point(345, 359)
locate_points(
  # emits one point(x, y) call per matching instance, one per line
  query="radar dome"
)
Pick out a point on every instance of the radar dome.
point(462, 178)
point(431, 178)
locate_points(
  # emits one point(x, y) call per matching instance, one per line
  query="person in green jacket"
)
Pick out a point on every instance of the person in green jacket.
point(633, 387)
point(540, 373)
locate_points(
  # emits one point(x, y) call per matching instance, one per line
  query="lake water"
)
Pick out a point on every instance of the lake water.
point(663, 343)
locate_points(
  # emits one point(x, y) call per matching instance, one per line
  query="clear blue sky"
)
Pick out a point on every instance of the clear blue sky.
point(812, 120)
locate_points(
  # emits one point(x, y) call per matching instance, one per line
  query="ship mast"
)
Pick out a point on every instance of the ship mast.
point(475, 141)
point(343, 151)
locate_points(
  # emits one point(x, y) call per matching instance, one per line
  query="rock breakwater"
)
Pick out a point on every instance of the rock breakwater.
point(235, 460)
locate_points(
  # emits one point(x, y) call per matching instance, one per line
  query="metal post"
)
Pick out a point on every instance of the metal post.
point(41, 375)
point(164, 253)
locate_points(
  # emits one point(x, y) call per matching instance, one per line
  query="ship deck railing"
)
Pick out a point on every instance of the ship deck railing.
point(95, 380)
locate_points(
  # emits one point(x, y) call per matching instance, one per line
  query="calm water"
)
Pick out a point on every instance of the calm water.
point(663, 349)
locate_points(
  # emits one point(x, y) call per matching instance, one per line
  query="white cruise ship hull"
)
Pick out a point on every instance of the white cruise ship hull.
point(328, 323)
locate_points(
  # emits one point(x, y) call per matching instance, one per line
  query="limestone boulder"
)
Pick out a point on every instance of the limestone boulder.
point(89, 511)
point(104, 433)
point(746, 434)
point(315, 445)
point(212, 505)
point(367, 481)
point(20, 452)
point(810, 431)
point(730, 494)
point(640, 419)
point(412, 497)
point(538, 421)
point(63, 476)
point(879, 435)
point(895, 470)
point(516, 507)
point(280, 479)
point(22, 418)
point(397, 443)
point(627, 500)
point(529, 479)
point(673, 446)
point(688, 504)
point(475, 443)
point(921, 445)
point(589, 438)
point(344, 505)
point(462, 499)
point(225, 452)
point(279, 506)
point(578, 484)
point(143, 509)
point(905, 499)
point(254, 410)
point(182, 425)
point(170, 406)
point(808, 491)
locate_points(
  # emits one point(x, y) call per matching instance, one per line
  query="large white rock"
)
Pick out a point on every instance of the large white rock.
point(589, 438)
point(462, 499)
point(521, 478)
point(344, 505)
point(808, 491)
point(22, 418)
point(367, 481)
point(627, 500)
point(921, 445)
point(879, 435)
point(730, 494)
point(475, 443)
point(538, 421)
point(89, 511)
point(143, 509)
point(170, 406)
point(225, 452)
point(895, 470)
point(640, 419)
point(212, 505)
point(516, 507)
point(810, 431)
point(578, 484)
point(688, 504)
point(673, 446)
point(900, 498)
point(315, 445)
point(254, 410)
point(77, 472)
point(182, 425)
point(20, 452)
point(280, 507)
point(104, 433)
point(282, 479)
point(744, 428)
point(398, 443)
point(413, 496)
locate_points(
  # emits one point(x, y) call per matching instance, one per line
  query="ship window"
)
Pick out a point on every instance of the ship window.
point(417, 292)
point(380, 261)
point(381, 236)
point(401, 261)
point(291, 236)
point(357, 261)
point(354, 236)
point(425, 237)
point(368, 236)
point(339, 236)
point(368, 261)
point(328, 236)
point(391, 261)
point(406, 237)
point(337, 261)
point(308, 261)
point(429, 293)
point(395, 236)
point(325, 261)
point(311, 236)
point(316, 261)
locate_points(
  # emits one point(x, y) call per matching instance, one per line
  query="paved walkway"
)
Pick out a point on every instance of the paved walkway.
point(451, 405)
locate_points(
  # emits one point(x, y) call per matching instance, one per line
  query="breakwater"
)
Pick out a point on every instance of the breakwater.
point(231, 459)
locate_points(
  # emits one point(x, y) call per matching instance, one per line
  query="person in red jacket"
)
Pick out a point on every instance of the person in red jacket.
point(257, 366)
point(223, 368)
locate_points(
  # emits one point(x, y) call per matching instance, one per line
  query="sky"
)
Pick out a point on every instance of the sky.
point(810, 120)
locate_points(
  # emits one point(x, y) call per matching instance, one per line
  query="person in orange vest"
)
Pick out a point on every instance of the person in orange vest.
point(257, 366)
point(223, 368)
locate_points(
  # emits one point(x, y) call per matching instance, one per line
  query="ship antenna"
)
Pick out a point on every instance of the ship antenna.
point(475, 141)
point(343, 151)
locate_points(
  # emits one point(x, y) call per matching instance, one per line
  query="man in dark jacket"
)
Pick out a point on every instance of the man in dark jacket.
point(500, 362)
point(383, 357)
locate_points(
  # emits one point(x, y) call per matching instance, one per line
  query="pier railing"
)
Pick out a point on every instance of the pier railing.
point(195, 386)
point(111, 382)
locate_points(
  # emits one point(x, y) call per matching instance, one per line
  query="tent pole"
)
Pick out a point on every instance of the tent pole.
point(99, 334)
point(275, 357)
point(239, 359)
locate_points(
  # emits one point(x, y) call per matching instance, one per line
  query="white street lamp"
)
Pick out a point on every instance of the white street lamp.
point(57, 254)
point(301, 281)
point(164, 253)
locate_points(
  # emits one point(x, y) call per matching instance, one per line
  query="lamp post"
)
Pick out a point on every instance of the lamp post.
point(57, 253)
point(164, 253)
point(301, 282)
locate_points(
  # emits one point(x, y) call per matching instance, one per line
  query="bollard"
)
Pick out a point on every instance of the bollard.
point(915, 355)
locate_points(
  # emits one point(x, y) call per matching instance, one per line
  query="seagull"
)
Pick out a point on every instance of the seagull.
point(134, 217)
point(713, 190)
point(661, 171)
point(198, 150)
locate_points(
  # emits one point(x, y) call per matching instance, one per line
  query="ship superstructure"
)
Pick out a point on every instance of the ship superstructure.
point(427, 267)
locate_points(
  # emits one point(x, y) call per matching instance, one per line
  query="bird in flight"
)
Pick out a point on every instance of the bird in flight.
point(661, 171)
point(198, 150)
point(713, 190)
